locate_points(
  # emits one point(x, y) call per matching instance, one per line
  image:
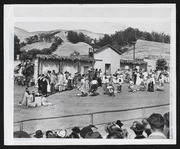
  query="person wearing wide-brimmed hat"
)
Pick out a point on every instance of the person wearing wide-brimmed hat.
point(119, 123)
point(86, 130)
point(38, 134)
point(113, 130)
point(138, 129)
point(75, 132)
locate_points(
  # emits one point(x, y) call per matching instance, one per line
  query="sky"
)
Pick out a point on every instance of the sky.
point(97, 27)
point(96, 18)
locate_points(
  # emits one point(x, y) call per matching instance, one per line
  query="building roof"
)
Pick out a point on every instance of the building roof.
point(136, 61)
point(107, 46)
point(71, 58)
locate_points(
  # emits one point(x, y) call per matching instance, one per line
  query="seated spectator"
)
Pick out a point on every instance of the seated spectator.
point(50, 134)
point(125, 134)
point(62, 133)
point(119, 123)
point(113, 130)
point(75, 133)
point(115, 135)
point(39, 134)
point(138, 129)
point(93, 135)
point(21, 134)
point(156, 121)
point(25, 98)
point(166, 130)
point(86, 130)
point(146, 126)
point(31, 100)
point(45, 102)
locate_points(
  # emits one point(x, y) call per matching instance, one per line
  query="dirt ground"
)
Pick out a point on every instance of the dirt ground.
point(68, 103)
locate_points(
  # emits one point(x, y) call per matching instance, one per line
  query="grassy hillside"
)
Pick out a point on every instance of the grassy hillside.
point(22, 34)
point(68, 48)
point(36, 45)
point(148, 49)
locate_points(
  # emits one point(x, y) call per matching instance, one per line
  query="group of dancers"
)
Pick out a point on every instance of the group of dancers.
point(87, 84)
point(143, 80)
point(139, 80)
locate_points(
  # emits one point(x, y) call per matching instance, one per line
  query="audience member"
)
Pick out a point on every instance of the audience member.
point(166, 130)
point(156, 121)
point(138, 129)
point(39, 134)
point(21, 134)
point(93, 135)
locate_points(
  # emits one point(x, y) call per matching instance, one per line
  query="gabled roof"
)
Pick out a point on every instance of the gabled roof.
point(107, 46)
point(71, 58)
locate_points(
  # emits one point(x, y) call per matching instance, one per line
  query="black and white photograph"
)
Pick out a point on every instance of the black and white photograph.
point(90, 74)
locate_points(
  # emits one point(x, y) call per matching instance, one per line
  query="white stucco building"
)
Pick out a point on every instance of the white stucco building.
point(110, 59)
point(72, 64)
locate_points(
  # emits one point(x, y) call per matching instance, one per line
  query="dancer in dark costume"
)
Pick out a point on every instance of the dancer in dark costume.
point(44, 86)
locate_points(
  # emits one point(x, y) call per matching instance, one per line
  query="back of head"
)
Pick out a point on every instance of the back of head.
point(115, 135)
point(84, 131)
point(21, 134)
point(73, 135)
point(93, 135)
point(156, 121)
point(49, 134)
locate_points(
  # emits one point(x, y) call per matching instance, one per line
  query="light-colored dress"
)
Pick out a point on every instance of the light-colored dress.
point(45, 102)
point(25, 99)
point(138, 79)
point(30, 102)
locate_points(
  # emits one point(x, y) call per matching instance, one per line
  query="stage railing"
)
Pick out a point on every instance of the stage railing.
point(94, 113)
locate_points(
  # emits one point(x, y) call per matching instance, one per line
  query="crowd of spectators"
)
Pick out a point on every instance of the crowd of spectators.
point(155, 126)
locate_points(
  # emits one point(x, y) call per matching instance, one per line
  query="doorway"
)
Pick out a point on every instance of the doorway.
point(108, 69)
point(86, 69)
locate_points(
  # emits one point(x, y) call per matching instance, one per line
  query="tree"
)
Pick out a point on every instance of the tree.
point(161, 64)
point(58, 40)
point(81, 37)
point(73, 37)
point(16, 46)
point(22, 44)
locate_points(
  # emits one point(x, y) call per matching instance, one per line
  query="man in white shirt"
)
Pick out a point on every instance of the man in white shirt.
point(156, 121)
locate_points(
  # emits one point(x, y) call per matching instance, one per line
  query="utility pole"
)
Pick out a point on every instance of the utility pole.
point(134, 43)
point(134, 53)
